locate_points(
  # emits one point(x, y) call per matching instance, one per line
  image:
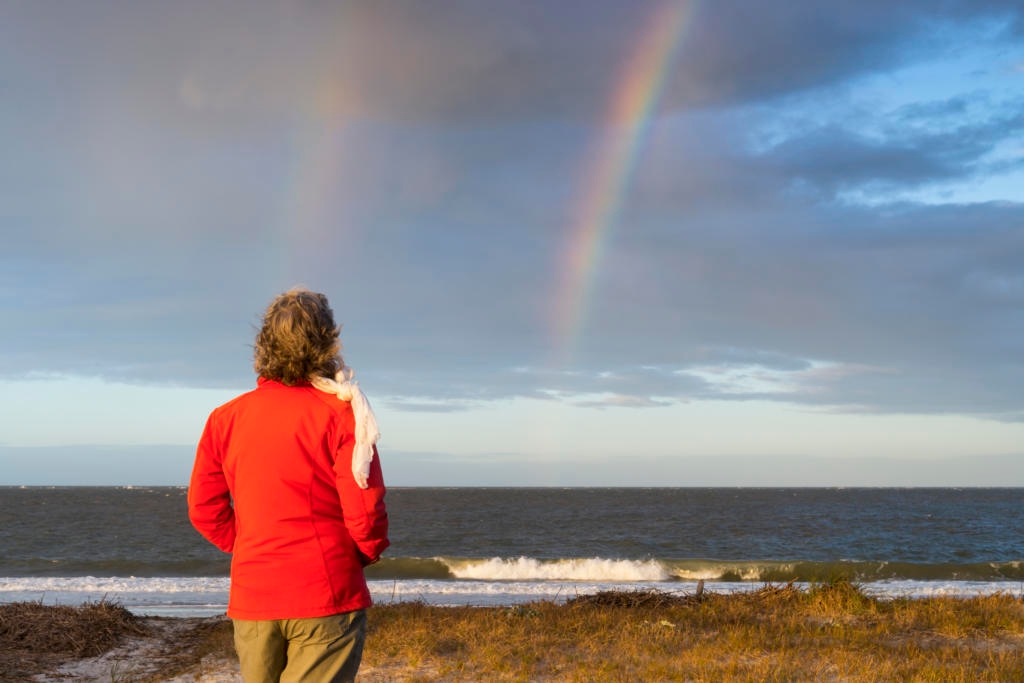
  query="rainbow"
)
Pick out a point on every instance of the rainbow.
point(627, 120)
point(311, 209)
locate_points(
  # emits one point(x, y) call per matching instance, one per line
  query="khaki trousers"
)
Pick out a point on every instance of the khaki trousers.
point(326, 649)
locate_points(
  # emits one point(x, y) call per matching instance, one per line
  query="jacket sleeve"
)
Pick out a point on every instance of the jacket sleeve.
point(209, 500)
point(366, 518)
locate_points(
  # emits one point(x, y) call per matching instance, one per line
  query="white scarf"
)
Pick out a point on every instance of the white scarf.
point(366, 422)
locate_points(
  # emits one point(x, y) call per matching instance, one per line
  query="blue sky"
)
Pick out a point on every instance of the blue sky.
point(815, 275)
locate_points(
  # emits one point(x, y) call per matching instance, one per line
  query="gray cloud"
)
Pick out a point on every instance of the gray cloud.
point(914, 149)
point(424, 165)
point(402, 60)
point(619, 401)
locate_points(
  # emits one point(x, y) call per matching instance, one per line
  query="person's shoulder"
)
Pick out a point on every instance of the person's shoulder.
point(301, 396)
point(333, 403)
point(234, 403)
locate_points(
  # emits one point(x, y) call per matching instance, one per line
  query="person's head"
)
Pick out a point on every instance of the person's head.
point(298, 338)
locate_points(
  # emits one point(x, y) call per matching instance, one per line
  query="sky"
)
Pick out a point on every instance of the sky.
point(667, 242)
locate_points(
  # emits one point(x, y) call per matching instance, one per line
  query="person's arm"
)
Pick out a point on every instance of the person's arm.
point(209, 500)
point(366, 518)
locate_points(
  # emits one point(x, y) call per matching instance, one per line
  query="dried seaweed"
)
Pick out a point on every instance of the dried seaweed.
point(634, 599)
point(83, 631)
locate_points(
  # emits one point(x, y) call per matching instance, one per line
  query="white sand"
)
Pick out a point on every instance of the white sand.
point(141, 656)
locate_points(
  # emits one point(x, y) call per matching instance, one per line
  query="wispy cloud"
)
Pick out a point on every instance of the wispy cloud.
point(618, 401)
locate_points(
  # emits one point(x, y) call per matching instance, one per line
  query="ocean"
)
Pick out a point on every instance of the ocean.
point(506, 546)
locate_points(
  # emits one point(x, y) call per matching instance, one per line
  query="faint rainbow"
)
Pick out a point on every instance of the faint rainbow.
point(315, 168)
point(311, 210)
point(606, 184)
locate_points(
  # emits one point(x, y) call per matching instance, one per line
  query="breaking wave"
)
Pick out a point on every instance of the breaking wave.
point(529, 569)
point(606, 569)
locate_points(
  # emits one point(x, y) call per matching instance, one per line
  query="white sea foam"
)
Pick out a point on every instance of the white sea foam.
point(205, 596)
point(117, 584)
point(504, 593)
point(937, 589)
point(159, 596)
point(530, 569)
point(491, 593)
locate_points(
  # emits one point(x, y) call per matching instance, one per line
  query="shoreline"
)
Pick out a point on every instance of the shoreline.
point(190, 597)
point(828, 632)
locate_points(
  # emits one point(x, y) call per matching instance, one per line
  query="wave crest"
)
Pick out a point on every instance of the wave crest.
point(530, 569)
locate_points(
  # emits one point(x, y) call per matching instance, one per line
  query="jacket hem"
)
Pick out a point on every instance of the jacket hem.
point(247, 615)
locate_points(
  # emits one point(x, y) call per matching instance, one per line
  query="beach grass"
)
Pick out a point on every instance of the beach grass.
point(828, 632)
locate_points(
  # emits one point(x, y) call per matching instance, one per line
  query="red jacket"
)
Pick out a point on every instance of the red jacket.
point(273, 485)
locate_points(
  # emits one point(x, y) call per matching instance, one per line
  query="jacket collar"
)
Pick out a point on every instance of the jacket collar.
point(260, 381)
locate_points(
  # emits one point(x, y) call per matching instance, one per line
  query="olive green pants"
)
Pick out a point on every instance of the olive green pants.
point(326, 649)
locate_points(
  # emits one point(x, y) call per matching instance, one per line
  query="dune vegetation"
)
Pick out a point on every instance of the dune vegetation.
point(827, 632)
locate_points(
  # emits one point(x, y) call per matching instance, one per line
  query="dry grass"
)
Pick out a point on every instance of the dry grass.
point(34, 636)
point(829, 632)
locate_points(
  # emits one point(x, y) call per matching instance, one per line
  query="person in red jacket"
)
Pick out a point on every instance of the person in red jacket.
point(287, 479)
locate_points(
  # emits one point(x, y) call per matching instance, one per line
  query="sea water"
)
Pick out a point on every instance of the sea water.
point(504, 546)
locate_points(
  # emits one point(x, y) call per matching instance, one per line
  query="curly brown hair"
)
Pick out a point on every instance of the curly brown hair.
point(298, 338)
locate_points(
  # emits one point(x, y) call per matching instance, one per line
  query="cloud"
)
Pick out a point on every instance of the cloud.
point(434, 407)
point(404, 61)
point(423, 165)
point(617, 401)
point(936, 142)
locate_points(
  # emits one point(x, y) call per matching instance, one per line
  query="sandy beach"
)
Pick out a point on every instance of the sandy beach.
point(143, 658)
point(165, 652)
